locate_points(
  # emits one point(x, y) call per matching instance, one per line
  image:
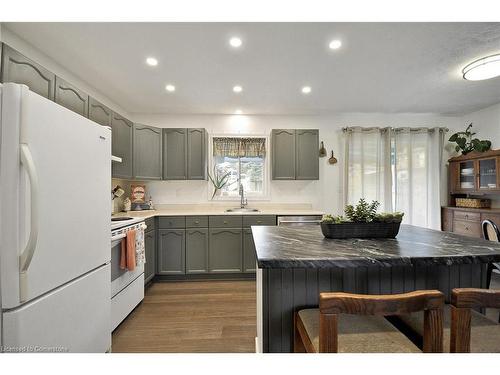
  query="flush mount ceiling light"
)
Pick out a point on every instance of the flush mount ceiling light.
point(335, 44)
point(170, 88)
point(237, 89)
point(238, 112)
point(151, 61)
point(235, 42)
point(306, 90)
point(484, 68)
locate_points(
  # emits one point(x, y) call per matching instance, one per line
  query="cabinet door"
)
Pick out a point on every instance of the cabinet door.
point(147, 152)
point(283, 154)
point(307, 154)
point(467, 173)
point(121, 145)
point(150, 247)
point(99, 113)
point(196, 154)
point(249, 256)
point(197, 251)
point(19, 69)
point(171, 251)
point(487, 174)
point(225, 250)
point(71, 97)
point(174, 154)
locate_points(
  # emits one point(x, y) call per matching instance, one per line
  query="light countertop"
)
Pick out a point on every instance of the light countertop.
point(213, 209)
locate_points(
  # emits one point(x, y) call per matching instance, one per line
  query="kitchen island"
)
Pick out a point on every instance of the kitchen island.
point(295, 264)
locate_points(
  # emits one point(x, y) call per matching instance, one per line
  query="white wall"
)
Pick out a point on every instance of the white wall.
point(39, 57)
point(324, 194)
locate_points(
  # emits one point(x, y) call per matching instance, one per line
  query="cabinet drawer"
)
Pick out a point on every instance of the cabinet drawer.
point(250, 220)
point(196, 221)
point(168, 222)
point(465, 215)
point(228, 221)
point(467, 228)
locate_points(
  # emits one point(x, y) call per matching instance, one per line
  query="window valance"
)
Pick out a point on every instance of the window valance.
point(239, 147)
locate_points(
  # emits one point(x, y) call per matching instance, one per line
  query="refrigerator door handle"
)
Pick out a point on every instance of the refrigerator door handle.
point(29, 250)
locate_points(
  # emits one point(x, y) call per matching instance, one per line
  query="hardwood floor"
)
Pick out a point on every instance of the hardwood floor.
point(191, 317)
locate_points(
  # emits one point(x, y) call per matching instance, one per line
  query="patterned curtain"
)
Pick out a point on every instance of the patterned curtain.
point(242, 147)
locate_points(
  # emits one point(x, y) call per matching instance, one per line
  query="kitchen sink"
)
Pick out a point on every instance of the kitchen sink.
point(121, 218)
point(242, 210)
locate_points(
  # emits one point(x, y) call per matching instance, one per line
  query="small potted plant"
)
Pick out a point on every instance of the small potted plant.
point(362, 221)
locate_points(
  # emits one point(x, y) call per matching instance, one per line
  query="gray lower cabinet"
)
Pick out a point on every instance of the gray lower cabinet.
point(147, 152)
point(171, 252)
point(197, 250)
point(99, 113)
point(121, 146)
point(225, 250)
point(306, 154)
point(249, 256)
point(283, 154)
point(150, 249)
point(174, 154)
point(295, 154)
point(71, 97)
point(196, 154)
point(19, 69)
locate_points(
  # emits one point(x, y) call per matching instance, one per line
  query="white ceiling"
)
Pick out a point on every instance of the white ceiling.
point(381, 67)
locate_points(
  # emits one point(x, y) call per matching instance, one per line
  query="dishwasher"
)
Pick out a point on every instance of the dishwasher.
point(299, 220)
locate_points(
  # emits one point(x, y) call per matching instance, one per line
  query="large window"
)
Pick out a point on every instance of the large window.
point(244, 160)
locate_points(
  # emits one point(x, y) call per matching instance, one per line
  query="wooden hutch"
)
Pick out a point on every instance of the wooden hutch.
point(471, 176)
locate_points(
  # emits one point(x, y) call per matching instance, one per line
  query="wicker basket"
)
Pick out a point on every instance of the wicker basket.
point(473, 202)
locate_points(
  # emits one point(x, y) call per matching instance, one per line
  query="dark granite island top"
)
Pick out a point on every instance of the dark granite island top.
point(296, 264)
point(305, 247)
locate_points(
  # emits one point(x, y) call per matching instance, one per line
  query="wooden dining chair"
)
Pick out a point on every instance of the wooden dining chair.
point(355, 323)
point(463, 300)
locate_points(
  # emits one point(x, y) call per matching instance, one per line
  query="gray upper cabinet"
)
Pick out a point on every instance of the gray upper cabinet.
point(71, 97)
point(295, 154)
point(196, 154)
point(171, 251)
point(121, 146)
point(225, 250)
point(147, 152)
point(19, 69)
point(283, 154)
point(99, 113)
point(197, 250)
point(174, 154)
point(307, 154)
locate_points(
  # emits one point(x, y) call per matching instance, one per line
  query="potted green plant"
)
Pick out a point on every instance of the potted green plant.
point(218, 180)
point(362, 221)
point(466, 143)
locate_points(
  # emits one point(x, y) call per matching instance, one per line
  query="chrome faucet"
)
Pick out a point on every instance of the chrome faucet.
point(243, 200)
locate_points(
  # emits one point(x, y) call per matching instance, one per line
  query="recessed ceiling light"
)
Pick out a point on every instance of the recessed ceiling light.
point(306, 90)
point(237, 89)
point(170, 88)
point(335, 44)
point(238, 112)
point(151, 61)
point(484, 68)
point(235, 42)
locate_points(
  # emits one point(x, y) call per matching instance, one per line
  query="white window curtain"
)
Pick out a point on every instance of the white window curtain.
point(368, 166)
point(417, 175)
point(399, 167)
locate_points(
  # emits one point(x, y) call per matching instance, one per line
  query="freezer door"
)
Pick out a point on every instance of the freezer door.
point(55, 177)
point(73, 318)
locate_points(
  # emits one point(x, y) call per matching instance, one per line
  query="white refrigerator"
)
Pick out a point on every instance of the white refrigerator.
point(55, 183)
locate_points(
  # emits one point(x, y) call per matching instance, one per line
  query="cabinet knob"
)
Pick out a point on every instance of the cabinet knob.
point(196, 222)
point(259, 221)
point(225, 222)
